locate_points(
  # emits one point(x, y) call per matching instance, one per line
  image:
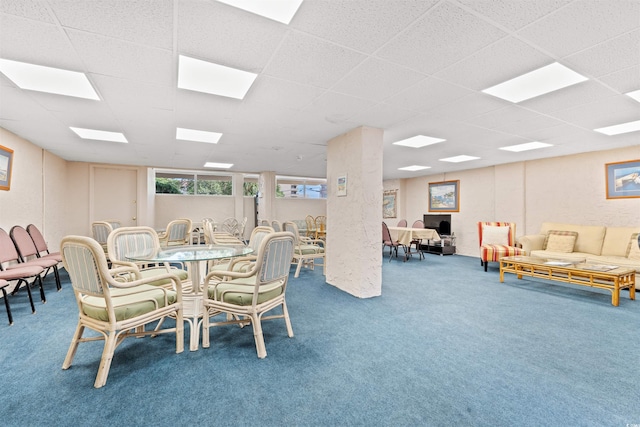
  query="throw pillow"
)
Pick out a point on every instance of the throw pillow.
point(493, 235)
point(633, 251)
point(560, 241)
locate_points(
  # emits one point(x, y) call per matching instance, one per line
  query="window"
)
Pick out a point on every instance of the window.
point(301, 188)
point(193, 183)
point(250, 185)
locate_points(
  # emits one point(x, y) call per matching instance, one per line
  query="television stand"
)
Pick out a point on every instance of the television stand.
point(445, 246)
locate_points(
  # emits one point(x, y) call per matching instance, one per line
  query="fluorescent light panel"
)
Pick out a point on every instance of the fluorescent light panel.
point(218, 165)
point(458, 159)
point(48, 79)
point(100, 135)
point(535, 83)
point(414, 168)
point(207, 77)
point(526, 146)
point(197, 135)
point(621, 128)
point(278, 10)
point(635, 95)
point(418, 141)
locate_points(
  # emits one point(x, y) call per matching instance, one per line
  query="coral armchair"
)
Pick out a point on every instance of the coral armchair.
point(497, 240)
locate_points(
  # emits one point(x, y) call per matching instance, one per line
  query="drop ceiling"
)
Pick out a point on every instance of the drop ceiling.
point(410, 67)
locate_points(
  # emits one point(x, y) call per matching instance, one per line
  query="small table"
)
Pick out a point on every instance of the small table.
point(194, 256)
point(611, 278)
point(405, 235)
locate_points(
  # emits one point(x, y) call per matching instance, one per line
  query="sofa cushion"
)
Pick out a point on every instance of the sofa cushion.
point(616, 241)
point(493, 235)
point(590, 237)
point(560, 241)
point(633, 251)
point(572, 256)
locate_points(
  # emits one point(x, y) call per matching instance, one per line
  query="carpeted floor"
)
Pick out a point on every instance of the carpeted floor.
point(446, 344)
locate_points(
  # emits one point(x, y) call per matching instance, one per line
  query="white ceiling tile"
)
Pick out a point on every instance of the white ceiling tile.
point(613, 55)
point(309, 60)
point(141, 63)
point(362, 25)
point(610, 111)
point(428, 94)
point(139, 21)
point(583, 24)
point(469, 106)
point(336, 107)
point(32, 9)
point(582, 93)
point(623, 81)
point(269, 90)
point(501, 61)
point(377, 80)
point(36, 43)
point(514, 14)
point(203, 35)
point(445, 35)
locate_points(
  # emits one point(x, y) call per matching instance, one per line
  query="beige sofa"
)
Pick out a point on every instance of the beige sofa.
point(595, 244)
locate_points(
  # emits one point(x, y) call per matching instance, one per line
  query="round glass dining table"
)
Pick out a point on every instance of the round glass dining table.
point(196, 258)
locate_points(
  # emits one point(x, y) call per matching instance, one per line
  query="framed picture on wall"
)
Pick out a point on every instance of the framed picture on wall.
point(623, 179)
point(6, 163)
point(444, 196)
point(342, 186)
point(389, 205)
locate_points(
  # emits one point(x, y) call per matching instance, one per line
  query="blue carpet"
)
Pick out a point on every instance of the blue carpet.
point(446, 344)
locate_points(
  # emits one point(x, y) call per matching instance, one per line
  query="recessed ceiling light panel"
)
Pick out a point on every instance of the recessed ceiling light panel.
point(218, 165)
point(621, 128)
point(535, 83)
point(207, 77)
point(414, 168)
point(458, 159)
point(48, 79)
point(99, 135)
point(278, 10)
point(526, 146)
point(635, 95)
point(197, 135)
point(418, 141)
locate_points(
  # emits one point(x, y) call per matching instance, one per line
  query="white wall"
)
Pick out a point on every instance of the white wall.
point(567, 189)
point(38, 190)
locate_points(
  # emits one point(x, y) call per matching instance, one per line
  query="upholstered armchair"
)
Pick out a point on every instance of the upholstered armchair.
point(497, 240)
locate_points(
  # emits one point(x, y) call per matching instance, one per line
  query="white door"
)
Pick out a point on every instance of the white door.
point(114, 194)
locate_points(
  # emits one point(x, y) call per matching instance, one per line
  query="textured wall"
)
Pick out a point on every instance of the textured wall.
point(354, 259)
point(561, 189)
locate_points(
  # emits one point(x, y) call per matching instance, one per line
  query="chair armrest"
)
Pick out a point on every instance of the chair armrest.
point(532, 242)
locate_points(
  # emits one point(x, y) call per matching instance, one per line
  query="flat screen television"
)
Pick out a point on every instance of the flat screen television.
point(439, 222)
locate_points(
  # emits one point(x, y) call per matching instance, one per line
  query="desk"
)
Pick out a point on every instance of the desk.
point(195, 256)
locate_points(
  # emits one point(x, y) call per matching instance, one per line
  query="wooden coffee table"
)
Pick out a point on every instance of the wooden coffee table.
point(611, 278)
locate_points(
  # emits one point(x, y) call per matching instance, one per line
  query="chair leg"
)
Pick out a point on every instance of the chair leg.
point(298, 268)
point(205, 328)
point(57, 276)
point(258, 337)
point(77, 336)
point(42, 297)
point(6, 304)
point(486, 263)
point(105, 360)
point(180, 331)
point(287, 321)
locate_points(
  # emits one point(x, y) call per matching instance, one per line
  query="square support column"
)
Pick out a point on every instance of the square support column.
point(354, 221)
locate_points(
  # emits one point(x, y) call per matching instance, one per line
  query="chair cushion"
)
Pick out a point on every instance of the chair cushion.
point(237, 292)
point(151, 272)
point(494, 235)
point(560, 241)
point(129, 303)
point(495, 252)
point(308, 249)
